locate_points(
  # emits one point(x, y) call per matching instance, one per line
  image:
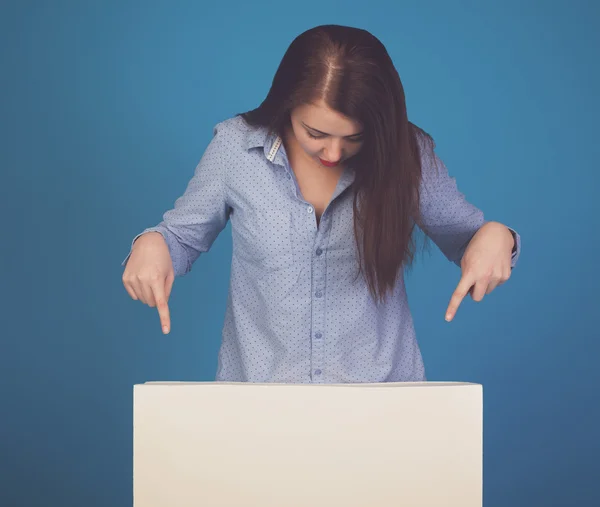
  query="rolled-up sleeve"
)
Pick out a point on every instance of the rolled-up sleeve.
point(201, 213)
point(447, 217)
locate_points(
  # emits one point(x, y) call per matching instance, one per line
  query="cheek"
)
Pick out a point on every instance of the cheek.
point(310, 146)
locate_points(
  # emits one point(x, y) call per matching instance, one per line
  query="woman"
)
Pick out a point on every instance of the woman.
point(325, 184)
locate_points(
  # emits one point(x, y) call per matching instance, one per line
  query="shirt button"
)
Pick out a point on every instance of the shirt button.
point(317, 372)
point(310, 209)
point(318, 335)
point(319, 251)
point(319, 294)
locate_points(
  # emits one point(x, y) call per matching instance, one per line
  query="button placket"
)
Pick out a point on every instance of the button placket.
point(319, 275)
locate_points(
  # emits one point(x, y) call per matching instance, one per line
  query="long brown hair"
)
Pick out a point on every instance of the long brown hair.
point(352, 72)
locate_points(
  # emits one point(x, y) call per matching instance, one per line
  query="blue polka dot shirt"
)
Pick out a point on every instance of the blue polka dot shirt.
point(296, 313)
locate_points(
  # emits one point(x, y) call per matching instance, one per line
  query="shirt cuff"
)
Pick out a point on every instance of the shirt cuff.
point(516, 251)
point(178, 254)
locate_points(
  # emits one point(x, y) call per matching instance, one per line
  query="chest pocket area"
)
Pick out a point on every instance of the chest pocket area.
point(262, 239)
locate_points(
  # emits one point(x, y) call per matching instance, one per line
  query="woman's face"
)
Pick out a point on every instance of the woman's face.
point(324, 135)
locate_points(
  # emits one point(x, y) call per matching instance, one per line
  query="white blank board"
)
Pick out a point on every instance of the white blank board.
point(218, 444)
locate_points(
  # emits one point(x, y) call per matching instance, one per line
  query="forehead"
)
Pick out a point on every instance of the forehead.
point(319, 116)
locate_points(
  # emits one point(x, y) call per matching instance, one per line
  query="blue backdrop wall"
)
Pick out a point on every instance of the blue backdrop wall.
point(105, 109)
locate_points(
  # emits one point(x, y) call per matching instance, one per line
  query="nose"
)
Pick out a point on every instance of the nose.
point(333, 150)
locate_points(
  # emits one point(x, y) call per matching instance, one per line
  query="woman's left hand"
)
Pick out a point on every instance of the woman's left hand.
point(486, 264)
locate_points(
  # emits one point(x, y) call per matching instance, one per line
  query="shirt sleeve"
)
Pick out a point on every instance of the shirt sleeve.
point(200, 214)
point(447, 217)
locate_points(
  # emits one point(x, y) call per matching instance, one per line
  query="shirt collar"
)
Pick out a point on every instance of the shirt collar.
point(256, 137)
point(260, 137)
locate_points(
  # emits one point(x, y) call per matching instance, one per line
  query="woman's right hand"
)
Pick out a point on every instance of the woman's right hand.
point(149, 276)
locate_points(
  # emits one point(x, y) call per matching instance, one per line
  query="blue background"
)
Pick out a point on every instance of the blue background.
point(105, 109)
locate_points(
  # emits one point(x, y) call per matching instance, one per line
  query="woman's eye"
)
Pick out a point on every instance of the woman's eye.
point(356, 140)
point(352, 140)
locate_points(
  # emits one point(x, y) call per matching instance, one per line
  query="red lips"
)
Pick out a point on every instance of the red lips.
point(328, 164)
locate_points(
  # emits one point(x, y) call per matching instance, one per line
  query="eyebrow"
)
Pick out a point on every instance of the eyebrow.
point(325, 134)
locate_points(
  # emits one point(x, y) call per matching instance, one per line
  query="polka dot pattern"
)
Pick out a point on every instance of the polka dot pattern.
point(295, 312)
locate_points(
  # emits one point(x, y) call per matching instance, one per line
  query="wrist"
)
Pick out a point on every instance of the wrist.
point(151, 235)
